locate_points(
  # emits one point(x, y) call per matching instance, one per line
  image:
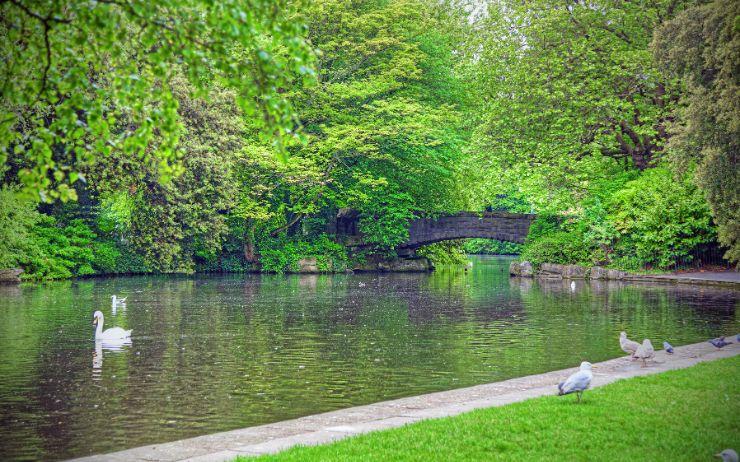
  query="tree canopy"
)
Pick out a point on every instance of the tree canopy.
point(187, 135)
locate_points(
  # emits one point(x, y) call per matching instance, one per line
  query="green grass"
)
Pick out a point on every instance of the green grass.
point(688, 414)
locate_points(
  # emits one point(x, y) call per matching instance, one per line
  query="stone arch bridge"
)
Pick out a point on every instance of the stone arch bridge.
point(502, 226)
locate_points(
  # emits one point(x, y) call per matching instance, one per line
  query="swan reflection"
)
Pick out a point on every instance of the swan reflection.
point(114, 345)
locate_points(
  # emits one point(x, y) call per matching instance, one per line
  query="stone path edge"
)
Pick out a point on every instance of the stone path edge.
point(331, 426)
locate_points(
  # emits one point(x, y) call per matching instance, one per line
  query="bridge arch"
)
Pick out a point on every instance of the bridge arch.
point(502, 226)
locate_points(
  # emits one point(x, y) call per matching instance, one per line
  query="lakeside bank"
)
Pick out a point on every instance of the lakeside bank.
point(552, 271)
point(336, 425)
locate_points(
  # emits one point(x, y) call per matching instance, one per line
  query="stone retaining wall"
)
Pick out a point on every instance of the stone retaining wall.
point(556, 271)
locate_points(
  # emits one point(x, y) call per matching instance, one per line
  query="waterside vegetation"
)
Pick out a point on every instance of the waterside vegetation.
point(185, 136)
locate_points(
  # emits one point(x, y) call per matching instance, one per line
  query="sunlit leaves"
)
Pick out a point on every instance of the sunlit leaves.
point(84, 79)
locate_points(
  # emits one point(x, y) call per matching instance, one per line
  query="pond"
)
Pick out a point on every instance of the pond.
point(211, 353)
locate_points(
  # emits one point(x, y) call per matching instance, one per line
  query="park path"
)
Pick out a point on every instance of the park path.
point(335, 425)
point(703, 276)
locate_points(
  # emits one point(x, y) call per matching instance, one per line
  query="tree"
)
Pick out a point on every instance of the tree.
point(569, 92)
point(82, 80)
point(384, 121)
point(700, 48)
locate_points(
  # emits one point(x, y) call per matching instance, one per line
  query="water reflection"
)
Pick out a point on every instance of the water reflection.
point(115, 345)
point(213, 353)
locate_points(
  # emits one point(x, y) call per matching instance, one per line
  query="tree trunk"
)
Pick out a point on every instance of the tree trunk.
point(250, 251)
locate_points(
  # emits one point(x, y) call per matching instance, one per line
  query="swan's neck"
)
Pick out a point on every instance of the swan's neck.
point(99, 328)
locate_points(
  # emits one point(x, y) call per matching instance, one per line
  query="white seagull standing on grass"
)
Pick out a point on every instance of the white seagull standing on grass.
point(578, 382)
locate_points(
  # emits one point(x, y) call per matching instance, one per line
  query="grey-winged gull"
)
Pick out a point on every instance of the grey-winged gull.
point(577, 382)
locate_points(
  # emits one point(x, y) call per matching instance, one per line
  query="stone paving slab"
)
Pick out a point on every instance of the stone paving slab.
point(335, 425)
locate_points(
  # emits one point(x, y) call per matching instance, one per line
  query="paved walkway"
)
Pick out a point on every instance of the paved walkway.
point(715, 276)
point(331, 426)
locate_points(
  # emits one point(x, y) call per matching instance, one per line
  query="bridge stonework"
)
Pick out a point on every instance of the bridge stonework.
point(502, 226)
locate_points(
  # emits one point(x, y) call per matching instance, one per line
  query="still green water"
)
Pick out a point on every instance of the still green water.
point(213, 353)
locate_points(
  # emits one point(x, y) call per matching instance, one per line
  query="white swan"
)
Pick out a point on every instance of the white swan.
point(108, 334)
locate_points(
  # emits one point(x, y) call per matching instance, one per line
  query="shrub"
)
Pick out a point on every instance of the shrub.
point(106, 257)
point(282, 254)
point(444, 253)
point(491, 247)
point(58, 252)
point(17, 218)
point(564, 247)
point(659, 219)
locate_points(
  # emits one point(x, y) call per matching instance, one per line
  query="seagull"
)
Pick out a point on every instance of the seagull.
point(114, 333)
point(627, 345)
point(362, 284)
point(573, 286)
point(728, 455)
point(577, 382)
point(668, 348)
point(117, 301)
point(645, 351)
point(720, 342)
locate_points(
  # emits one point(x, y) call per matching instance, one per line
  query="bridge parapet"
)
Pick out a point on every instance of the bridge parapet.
point(502, 226)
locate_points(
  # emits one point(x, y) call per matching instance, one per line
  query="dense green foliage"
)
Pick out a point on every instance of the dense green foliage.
point(445, 253)
point(700, 48)
point(648, 222)
point(228, 137)
point(575, 120)
point(491, 247)
point(86, 80)
point(637, 419)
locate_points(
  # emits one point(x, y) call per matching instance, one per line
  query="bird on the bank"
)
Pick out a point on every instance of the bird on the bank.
point(720, 342)
point(109, 334)
point(577, 382)
point(627, 345)
point(645, 352)
point(668, 348)
point(728, 455)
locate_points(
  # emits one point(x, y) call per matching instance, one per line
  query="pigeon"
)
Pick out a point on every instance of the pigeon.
point(728, 455)
point(668, 348)
point(577, 382)
point(627, 345)
point(720, 342)
point(645, 351)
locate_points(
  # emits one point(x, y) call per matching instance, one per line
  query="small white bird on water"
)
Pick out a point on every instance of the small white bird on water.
point(627, 345)
point(578, 382)
point(728, 455)
point(645, 352)
point(108, 334)
point(115, 301)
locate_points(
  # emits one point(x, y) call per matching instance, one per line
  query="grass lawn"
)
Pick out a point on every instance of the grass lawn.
point(688, 414)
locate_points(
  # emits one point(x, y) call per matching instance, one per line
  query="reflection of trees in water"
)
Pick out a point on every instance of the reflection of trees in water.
point(220, 352)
